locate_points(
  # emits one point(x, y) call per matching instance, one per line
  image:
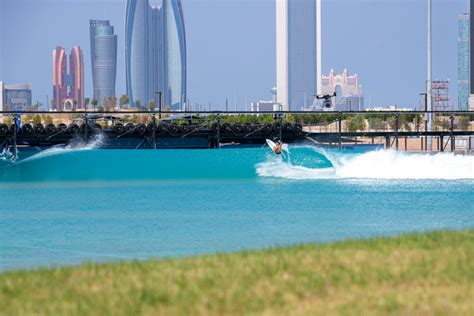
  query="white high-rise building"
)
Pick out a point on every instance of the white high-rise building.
point(298, 53)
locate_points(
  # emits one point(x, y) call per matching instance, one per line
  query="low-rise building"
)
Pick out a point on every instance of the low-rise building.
point(264, 106)
point(388, 109)
point(15, 97)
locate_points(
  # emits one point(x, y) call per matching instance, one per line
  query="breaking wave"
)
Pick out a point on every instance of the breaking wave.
point(375, 165)
point(78, 145)
point(80, 162)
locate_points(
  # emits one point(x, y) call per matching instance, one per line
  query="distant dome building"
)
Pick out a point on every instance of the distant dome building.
point(349, 92)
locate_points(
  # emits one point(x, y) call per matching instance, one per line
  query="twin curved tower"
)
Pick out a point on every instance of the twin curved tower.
point(155, 53)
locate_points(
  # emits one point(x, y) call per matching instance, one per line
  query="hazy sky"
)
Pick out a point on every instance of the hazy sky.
point(231, 45)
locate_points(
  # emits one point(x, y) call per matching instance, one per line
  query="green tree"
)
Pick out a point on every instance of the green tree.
point(36, 119)
point(137, 104)
point(463, 122)
point(151, 105)
point(113, 102)
point(8, 121)
point(47, 119)
point(355, 123)
point(94, 103)
point(124, 101)
point(107, 104)
point(86, 103)
point(376, 123)
point(26, 118)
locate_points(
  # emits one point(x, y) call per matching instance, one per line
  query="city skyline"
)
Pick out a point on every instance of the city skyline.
point(247, 81)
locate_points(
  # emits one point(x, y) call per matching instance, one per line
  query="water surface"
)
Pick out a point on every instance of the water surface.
point(70, 205)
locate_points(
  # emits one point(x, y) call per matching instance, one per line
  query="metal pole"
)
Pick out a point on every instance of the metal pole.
point(86, 127)
point(160, 104)
point(218, 131)
point(281, 127)
point(16, 117)
point(339, 118)
point(396, 131)
point(426, 135)
point(451, 130)
point(153, 133)
point(428, 81)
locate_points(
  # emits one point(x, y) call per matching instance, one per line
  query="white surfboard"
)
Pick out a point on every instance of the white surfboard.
point(272, 144)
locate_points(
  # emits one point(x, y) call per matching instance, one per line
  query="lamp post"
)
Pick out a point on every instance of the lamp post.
point(429, 116)
point(160, 102)
point(426, 118)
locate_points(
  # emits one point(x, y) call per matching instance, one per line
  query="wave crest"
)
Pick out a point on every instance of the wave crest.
point(376, 165)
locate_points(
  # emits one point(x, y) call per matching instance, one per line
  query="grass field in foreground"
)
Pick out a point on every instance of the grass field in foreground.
point(430, 273)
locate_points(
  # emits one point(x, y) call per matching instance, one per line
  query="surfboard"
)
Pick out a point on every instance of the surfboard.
point(272, 144)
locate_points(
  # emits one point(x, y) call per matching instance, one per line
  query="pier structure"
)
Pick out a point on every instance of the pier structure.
point(217, 129)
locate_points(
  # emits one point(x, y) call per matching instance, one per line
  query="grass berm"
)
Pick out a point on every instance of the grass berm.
point(420, 273)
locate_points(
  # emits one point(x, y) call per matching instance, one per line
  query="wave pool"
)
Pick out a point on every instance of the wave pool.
point(75, 204)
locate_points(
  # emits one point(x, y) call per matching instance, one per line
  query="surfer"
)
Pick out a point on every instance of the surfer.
point(277, 147)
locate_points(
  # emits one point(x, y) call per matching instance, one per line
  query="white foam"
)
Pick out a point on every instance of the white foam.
point(377, 165)
point(279, 169)
point(397, 165)
point(94, 143)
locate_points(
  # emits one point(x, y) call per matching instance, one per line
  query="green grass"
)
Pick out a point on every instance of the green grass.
point(430, 273)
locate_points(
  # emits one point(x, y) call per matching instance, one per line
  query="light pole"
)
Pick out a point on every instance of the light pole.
point(160, 102)
point(426, 118)
point(429, 116)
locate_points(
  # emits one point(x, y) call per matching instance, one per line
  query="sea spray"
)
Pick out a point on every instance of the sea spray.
point(398, 165)
point(375, 165)
point(76, 145)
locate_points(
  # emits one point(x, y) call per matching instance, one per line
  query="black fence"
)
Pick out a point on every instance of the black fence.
point(201, 129)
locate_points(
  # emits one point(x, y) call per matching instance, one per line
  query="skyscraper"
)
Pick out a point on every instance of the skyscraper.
point(137, 53)
point(59, 73)
point(463, 61)
point(174, 54)
point(76, 70)
point(471, 50)
point(68, 87)
point(155, 52)
point(103, 59)
point(297, 53)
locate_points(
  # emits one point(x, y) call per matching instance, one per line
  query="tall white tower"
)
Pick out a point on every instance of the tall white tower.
point(298, 52)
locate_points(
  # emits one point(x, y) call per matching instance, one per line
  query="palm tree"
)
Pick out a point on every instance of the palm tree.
point(94, 103)
point(113, 102)
point(151, 105)
point(124, 100)
point(86, 103)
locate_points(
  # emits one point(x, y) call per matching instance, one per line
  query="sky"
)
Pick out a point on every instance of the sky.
point(231, 45)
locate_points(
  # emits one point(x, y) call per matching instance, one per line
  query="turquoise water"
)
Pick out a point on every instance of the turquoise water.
point(71, 205)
